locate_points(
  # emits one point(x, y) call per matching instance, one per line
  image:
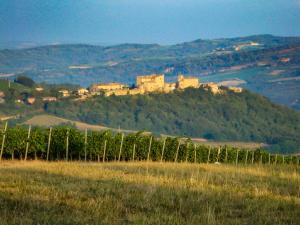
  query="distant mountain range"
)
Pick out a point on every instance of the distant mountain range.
point(265, 64)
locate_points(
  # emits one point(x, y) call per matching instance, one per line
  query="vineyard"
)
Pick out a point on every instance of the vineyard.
point(70, 144)
point(133, 187)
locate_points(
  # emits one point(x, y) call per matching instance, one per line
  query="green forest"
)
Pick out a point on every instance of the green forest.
point(192, 113)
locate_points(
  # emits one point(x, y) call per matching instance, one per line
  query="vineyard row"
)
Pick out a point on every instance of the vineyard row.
point(62, 143)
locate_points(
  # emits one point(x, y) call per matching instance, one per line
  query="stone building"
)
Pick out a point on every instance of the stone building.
point(213, 87)
point(39, 89)
point(49, 99)
point(236, 89)
point(82, 91)
point(169, 87)
point(120, 92)
point(151, 83)
point(64, 93)
point(106, 87)
point(136, 91)
point(145, 84)
point(30, 100)
point(186, 82)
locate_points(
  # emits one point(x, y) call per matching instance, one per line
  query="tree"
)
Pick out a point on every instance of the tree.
point(26, 81)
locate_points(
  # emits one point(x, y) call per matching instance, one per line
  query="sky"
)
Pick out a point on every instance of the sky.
point(144, 21)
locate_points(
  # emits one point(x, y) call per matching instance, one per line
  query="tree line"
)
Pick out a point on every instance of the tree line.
point(65, 143)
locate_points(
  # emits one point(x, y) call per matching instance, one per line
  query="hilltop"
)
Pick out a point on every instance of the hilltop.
point(194, 113)
point(225, 115)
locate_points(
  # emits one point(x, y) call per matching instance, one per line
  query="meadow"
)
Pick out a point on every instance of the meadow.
point(39, 192)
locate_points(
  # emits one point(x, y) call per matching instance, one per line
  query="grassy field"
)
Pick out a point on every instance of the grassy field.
point(46, 120)
point(147, 193)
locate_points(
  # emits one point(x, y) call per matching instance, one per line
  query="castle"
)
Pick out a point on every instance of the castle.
point(145, 84)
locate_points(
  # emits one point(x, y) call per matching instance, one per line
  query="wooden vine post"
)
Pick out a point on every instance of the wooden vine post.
point(67, 146)
point(104, 151)
point(187, 153)
point(237, 157)
point(275, 159)
point(246, 160)
point(49, 143)
point(226, 154)
point(133, 152)
point(195, 153)
point(177, 151)
point(218, 155)
point(121, 145)
point(252, 161)
point(269, 159)
point(163, 150)
point(149, 150)
point(261, 158)
point(85, 145)
point(3, 141)
point(27, 142)
point(208, 157)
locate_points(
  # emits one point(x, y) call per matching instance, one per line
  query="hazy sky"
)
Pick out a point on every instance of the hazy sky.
point(144, 21)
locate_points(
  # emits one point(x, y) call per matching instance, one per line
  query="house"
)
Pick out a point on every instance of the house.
point(39, 89)
point(285, 60)
point(136, 91)
point(82, 91)
point(169, 87)
point(186, 82)
point(49, 99)
point(64, 93)
point(151, 83)
point(213, 87)
point(30, 100)
point(236, 89)
point(2, 94)
point(106, 87)
point(117, 92)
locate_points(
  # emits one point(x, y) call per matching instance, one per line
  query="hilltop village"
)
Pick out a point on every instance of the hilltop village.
point(154, 83)
point(144, 85)
point(149, 84)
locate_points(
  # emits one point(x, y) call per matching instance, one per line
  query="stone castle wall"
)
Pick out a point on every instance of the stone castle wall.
point(106, 87)
point(146, 84)
point(186, 82)
point(119, 92)
point(151, 83)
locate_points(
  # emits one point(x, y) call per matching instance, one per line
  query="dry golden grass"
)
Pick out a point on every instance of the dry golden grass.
point(147, 193)
point(46, 120)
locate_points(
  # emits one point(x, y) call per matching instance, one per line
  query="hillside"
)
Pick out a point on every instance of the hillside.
point(50, 121)
point(193, 113)
point(45, 120)
point(85, 64)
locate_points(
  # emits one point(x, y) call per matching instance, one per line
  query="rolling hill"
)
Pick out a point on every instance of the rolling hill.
point(192, 113)
point(195, 113)
point(259, 56)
